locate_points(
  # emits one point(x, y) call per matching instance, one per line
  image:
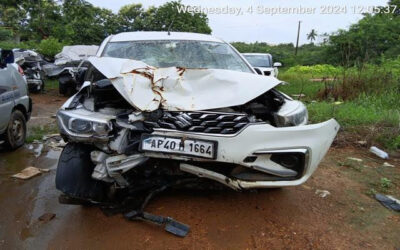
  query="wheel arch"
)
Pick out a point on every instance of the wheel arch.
point(22, 108)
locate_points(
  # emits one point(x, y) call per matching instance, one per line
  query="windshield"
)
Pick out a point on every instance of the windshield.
point(259, 60)
point(177, 53)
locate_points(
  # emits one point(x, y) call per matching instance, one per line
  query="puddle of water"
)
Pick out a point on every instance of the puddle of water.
point(38, 150)
point(53, 154)
point(23, 201)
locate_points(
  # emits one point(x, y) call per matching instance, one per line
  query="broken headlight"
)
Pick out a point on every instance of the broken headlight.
point(75, 125)
point(292, 113)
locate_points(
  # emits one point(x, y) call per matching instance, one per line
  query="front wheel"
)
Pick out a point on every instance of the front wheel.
point(74, 174)
point(16, 131)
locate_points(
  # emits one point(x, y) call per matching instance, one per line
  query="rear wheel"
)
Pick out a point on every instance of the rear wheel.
point(16, 131)
point(74, 174)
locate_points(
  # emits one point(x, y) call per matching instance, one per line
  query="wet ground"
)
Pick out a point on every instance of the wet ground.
point(292, 218)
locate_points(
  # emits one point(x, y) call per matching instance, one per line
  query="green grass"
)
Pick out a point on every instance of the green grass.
point(37, 133)
point(51, 84)
point(373, 104)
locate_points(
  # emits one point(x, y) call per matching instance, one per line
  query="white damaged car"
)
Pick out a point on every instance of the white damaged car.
point(159, 109)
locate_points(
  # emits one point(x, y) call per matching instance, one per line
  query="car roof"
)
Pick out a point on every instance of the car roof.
point(256, 54)
point(162, 35)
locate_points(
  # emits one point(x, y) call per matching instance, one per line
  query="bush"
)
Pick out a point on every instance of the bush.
point(13, 45)
point(319, 70)
point(5, 34)
point(50, 47)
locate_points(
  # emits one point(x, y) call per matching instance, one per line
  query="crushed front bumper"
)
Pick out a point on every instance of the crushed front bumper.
point(262, 141)
point(264, 155)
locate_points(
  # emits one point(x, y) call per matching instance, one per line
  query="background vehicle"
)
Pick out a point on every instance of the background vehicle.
point(187, 108)
point(31, 63)
point(15, 105)
point(263, 63)
point(70, 66)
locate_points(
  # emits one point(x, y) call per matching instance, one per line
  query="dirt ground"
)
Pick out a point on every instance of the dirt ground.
point(289, 218)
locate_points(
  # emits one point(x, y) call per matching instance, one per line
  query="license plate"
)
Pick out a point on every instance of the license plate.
point(182, 146)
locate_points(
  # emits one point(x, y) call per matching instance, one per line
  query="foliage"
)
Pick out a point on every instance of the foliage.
point(50, 47)
point(308, 54)
point(79, 22)
point(164, 18)
point(318, 70)
point(312, 35)
point(364, 102)
point(5, 34)
point(367, 40)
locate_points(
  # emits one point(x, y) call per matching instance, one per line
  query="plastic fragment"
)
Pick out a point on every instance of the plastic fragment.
point(387, 164)
point(388, 201)
point(378, 152)
point(322, 193)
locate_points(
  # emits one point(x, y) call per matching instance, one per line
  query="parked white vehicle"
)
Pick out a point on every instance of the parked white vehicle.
point(159, 108)
point(263, 63)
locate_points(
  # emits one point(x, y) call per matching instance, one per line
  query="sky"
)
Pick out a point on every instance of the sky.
point(271, 21)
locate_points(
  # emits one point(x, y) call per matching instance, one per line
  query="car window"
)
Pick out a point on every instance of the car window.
point(259, 60)
point(179, 53)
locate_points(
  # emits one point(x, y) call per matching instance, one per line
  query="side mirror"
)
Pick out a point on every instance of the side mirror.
point(277, 64)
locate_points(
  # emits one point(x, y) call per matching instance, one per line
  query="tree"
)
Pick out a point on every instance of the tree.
point(13, 17)
point(131, 17)
point(79, 22)
point(312, 35)
point(163, 18)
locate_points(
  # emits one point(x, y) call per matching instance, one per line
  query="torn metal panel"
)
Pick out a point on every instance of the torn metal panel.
point(148, 88)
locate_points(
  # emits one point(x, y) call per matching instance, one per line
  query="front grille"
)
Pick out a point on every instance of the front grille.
point(204, 122)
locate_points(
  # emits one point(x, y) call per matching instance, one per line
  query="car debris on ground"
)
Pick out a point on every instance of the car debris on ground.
point(387, 164)
point(322, 193)
point(378, 152)
point(354, 159)
point(362, 143)
point(388, 201)
point(46, 217)
point(29, 172)
point(52, 141)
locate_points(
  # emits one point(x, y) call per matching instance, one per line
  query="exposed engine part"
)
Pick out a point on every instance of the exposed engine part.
point(136, 116)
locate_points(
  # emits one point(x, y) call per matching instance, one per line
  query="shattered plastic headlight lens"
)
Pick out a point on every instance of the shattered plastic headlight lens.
point(81, 126)
point(292, 113)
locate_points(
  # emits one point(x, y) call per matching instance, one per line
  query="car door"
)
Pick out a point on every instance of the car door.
point(7, 89)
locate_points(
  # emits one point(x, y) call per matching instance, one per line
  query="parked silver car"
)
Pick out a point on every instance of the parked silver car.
point(15, 104)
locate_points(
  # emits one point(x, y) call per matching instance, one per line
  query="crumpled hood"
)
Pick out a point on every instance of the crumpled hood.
point(148, 88)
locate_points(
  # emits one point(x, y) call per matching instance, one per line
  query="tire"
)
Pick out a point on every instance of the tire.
point(15, 134)
point(74, 174)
